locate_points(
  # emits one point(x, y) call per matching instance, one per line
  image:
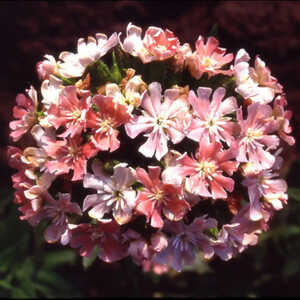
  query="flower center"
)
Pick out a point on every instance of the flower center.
point(76, 114)
point(208, 62)
point(206, 168)
point(158, 196)
point(105, 126)
point(161, 47)
point(253, 134)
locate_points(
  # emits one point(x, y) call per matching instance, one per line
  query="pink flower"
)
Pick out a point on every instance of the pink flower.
point(181, 57)
point(205, 172)
point(70, 112)
point(33, 217)
point(14, 155)
point(106, 236)
point(66, 155)
point(210, 120)
point(142, 252)
point(114, 193)
point(46, 67)
point(156, 45)
point(185, 241)
point(236, 237)
point(162, 121)
point(51, 89)
point(56, 210)
point(282, 118)
point(28, 184)
point(25, 111)
point(208, 58)
point(256, 83)
point(104, 121)
point(36, 192)
point(158, 198)
point(263, 186)
point(255, 136)
point(262, 75)
point(130, 94)
point(161, 44)
point(74, 65)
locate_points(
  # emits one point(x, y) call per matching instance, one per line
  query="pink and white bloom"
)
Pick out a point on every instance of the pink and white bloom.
point(130, 95)
point(104, 122)
point(57, 211)
point(31, 188)
point(74, 65)
point(70, 112)
point(181, 57)
point(47, 67)
point(26, 113)
point(51, 89)
point(255, 83)
point(161, 120)
point(210, 120)
point(158, 198)
point(282, 118)
point(185, 241)
point(162, 44)
point(114, 193)
point(157, 44)
point(265, 189)
point(242, 232)
point(142, 252)
point(208, 58)
point(204, 174)
point(255, 139)
point(106, 236)
point(36, 192)
point(66, 155)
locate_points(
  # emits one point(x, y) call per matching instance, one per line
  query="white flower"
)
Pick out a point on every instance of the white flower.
point(254, 83)
point(113, 193)
point(74, 65)
point(50, 90)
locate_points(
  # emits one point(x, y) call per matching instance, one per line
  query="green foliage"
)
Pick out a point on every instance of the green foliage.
point(27, 270)
point(67, 81)
point(88, 261)
point(115, 69)
point(214, 31)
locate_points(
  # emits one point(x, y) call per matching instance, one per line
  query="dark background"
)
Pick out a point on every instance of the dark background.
point(269, 28)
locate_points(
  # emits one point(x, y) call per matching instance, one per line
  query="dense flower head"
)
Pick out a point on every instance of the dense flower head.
point(130, 144)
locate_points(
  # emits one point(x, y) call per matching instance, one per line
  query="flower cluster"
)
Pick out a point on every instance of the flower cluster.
point(142, 147)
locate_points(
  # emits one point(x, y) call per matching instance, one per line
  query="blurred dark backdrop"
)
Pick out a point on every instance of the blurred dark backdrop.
point(269, 28)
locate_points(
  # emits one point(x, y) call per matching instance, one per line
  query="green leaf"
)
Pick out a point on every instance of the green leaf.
point(103, 72)
point(18, 293)
point(26, 270)
point(212, 232)
point(6, 284)
point(45, 290)
point(115, 70)
point(214, 31)
point(67, 81)
point(7, 257)
point(200, 266)
point(95, 107)
point(294, 193)
point(291, 267)
point(53, 279)
point(58, 258)
point(88, 261)
point(6, 197)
